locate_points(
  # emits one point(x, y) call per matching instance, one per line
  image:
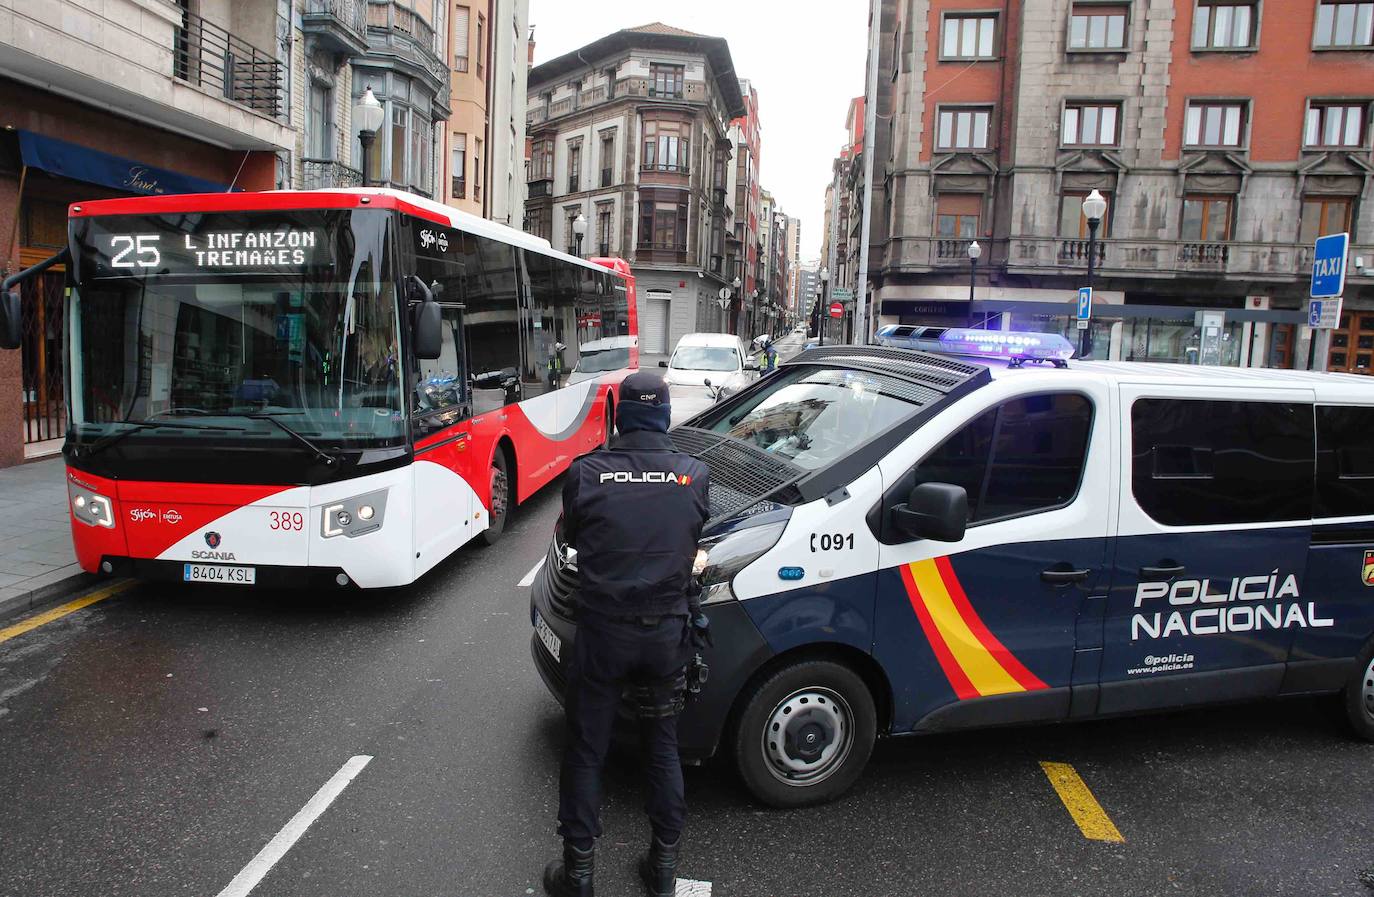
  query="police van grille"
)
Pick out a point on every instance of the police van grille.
point(939, 372)
point(562, 579)
point(741, 475)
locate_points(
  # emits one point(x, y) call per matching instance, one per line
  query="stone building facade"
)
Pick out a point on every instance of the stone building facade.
point(1224, 137)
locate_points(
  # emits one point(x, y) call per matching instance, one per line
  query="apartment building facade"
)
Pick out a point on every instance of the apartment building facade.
point(630, 132)
point(1225, 137)
point(746, 141)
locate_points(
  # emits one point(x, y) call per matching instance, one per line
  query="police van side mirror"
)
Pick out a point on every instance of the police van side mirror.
point(11, 321)
point(936, 511)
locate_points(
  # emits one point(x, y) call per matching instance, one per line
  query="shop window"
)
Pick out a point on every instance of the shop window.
point(1340, 340)
point(1362, 361)
point(1097, 27)
point(1344, 26)
point(1335, 124)
point(1224, 25)
point(1088, 124)
point(1214, 124)
point(1074, 224)
point(969, 37)
point(1206, 219)
point(1324, 215)
point(963, 129)
point(1196, 462)
point(957, 214)
point(1338, 360)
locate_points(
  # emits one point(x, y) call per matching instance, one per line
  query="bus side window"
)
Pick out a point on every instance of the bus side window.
point(491, 322)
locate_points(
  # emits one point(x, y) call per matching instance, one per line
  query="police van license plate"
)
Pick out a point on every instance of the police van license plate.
point(548, 636)
point(234, 576)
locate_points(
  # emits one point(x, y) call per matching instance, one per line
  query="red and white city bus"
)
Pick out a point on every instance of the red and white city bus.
point(343, 385)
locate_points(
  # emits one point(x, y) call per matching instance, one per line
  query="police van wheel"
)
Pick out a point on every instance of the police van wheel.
point(1359, 697)
point(502, 499)
point(805, 733)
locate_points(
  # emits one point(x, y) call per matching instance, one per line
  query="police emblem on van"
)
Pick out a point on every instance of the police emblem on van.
point(1368, 573)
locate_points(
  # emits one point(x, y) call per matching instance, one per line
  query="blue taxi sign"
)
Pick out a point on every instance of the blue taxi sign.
point(1328, 266)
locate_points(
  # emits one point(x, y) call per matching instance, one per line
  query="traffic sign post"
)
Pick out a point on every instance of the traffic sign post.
point(1085, 307)
point(837, 310)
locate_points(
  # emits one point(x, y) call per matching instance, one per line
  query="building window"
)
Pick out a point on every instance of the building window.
point(663, 223)
point(1214, 124)
point(964, 128)
point(1341, 25)
point(968, 37)
point(1324, 215)
point(1095, 27)
point(541, 161)
point(477, 170)
point(461, 17)
point(956, 215)
point(577, 94)
point(604, 224)
point(1090, 125)
point(665, 81)
point(607, 158)
point(460, 166)
point(1206, 219)
point(1333, 124)
point(574, 166)
point(481, 41)
point(666, 146)
point(1073, 224)
point(321, 122)
point(1224, 25)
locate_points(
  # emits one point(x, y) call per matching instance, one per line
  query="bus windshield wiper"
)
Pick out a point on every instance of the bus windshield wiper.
point(110, 439)
point(328, 459)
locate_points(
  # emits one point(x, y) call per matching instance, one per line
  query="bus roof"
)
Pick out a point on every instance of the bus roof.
point(374, 197)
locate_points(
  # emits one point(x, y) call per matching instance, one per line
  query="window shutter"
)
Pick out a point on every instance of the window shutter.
point(460, 38)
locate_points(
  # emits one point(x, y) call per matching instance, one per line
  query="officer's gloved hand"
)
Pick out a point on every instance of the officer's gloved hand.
point(701, 631)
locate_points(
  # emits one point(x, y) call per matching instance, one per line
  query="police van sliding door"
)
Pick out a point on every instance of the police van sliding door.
point(1216, 504)
point(985, 630)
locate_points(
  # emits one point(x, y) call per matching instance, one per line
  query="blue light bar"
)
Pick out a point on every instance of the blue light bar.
point(1015, 345)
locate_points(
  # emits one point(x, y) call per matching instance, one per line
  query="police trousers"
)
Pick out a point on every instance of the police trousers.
point(613, 657)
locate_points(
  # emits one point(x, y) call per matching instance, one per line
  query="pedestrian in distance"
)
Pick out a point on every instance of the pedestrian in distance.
point(634, 512)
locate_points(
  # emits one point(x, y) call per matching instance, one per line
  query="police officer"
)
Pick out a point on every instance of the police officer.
point(634, 513)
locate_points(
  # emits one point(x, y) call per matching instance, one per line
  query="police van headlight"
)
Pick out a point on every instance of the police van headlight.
point(731, 553)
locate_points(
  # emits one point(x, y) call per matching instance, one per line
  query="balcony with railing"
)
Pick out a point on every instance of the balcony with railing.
point(398, 29)
point(540, 187)
point(661, 253)
point(323, 174)
point(338, 25)
point(218, 62)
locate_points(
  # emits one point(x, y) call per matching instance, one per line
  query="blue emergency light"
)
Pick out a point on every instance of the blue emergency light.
point(1015, 346)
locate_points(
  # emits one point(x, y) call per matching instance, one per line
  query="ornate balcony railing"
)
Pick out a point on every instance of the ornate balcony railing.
point(318, 174)
point(1077, 251)
point(215, 60)
point(667, 167)
point(952, 249)
point(341, 23)
point(408, 32)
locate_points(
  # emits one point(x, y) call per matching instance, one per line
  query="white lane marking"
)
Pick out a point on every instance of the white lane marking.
point(688, 888)
point(269, 856)
point(529, 577)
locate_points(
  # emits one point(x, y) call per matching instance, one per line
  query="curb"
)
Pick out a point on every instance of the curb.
point(48, 593)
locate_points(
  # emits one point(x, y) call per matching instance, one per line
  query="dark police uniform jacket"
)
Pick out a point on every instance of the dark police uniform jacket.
point(634, 513)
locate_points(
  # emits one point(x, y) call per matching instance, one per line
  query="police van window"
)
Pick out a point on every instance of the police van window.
point(1199, 461)
point(1022, 457)
point(814, 416)
point(1345, 461)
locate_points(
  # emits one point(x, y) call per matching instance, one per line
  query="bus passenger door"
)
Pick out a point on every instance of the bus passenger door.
point(997, 627)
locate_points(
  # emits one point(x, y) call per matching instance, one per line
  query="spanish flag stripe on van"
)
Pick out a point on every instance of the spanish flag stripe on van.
point(974, 661)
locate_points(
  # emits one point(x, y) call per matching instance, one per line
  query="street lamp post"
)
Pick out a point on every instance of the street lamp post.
point(974, 251)
point(824, 312)
point(1094, 207)
point(579, 227)
point(367, 117)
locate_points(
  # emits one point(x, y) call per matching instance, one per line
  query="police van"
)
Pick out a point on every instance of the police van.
point(906, 542)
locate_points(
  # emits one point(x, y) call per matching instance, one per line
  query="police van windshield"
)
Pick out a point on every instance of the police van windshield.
point(814, 416)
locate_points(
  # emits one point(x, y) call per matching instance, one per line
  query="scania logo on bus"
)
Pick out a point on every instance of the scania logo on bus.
point(212, 539)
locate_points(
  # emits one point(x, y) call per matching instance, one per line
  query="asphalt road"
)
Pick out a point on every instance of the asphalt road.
point(153, 743)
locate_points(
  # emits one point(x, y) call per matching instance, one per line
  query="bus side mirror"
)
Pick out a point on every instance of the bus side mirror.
point(428, 329)
point(936, 511)
point(11, 321)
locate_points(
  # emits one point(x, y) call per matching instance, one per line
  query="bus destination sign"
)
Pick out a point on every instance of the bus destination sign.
point(238, 251)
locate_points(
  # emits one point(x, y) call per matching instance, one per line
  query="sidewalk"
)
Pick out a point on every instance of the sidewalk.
point(36, 555)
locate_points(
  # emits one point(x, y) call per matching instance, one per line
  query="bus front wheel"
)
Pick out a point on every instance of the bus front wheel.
point(502, 498)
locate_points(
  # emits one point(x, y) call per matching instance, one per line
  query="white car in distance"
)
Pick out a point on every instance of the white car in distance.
point(700, 357)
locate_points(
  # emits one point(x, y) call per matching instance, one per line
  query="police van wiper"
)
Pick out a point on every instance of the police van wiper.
point(270, 416)
point(110, 439)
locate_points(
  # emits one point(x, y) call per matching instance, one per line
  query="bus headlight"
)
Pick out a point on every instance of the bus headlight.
point(353, 517)
point(91, 508)
point(731, 553)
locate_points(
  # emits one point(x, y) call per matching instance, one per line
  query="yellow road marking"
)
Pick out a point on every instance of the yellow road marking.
point(1092, 820)
point(58, 613)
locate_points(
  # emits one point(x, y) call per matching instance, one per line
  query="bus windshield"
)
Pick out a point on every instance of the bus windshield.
point(227, 320)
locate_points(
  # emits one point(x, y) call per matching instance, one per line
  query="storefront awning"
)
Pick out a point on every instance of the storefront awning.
point(80, 163)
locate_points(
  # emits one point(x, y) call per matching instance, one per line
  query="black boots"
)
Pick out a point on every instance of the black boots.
point(572, 876)
point(658, 867)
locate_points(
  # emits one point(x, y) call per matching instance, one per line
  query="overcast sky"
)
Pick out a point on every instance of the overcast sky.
point(805, 67)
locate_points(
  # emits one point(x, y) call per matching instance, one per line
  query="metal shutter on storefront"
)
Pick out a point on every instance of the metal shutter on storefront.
point(653, 328)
